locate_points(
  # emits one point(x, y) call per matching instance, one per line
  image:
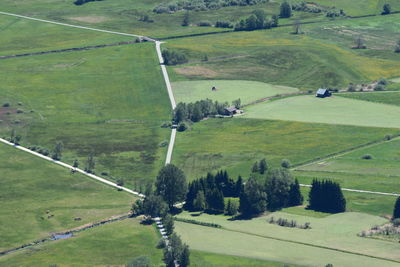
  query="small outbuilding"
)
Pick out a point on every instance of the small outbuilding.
point(323, 93)
point(230, 111)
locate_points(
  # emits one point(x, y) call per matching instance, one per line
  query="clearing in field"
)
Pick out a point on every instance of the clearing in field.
point(332, 110)
point(235, 144)
point(227, 90)
point(39, 198)
point(109, 102)
point(259, 239)
point(25, 36)
point(113, 244)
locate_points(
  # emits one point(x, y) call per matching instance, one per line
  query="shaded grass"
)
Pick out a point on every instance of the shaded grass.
point(235, 144)
point(32, 186)
point(247, 91)
point(23, 36)
point(332, 110)
point(110, 102)
point(112, 244)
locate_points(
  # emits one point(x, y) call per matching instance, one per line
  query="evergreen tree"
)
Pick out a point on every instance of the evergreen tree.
point(57, 153)
point(231, 208)
point(274, 21)
point(90, 164)
point(295, 196)
point(255, 169)
point(263, 166)
point(171, 184)
point(260, 18)
point(397, 47)
point(154, 206)
point(215, 201)
point(251, 22)
point(184, 259)
point(277, 187)
point(396, 211)
point(253, 199)
point(285, 10)
point(199, 203)
point(186, 19)
point(169, 259)
point(168, 223)
point(238, 186)
point(75, 164)
point(326, 196)
point(387, 9)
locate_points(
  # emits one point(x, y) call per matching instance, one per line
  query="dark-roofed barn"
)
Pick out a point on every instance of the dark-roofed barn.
point(323, 93)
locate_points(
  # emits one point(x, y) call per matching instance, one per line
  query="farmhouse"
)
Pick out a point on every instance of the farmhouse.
point(323, 93)
point(230, 111)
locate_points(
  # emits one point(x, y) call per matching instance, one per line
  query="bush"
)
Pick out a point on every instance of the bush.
point(379, 87)
point(174, 57)
point(182, 127)
point(396, 222)
point(367, 156)
point(6, 105)
point(383, 81)
point(388, 137)
point(163, 143)
point(20, 111)
point(351, 88)
point(223, 24)
point(285, 164)
point(197, 222)
point(205, 24)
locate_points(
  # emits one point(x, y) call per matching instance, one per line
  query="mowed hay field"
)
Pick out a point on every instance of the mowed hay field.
point(307, 61)
point(113, 244)
point(227, 90)
point(335, 232)
point(31, 186)
point(392, 98)
point(235, 144)
point(24, 36)
point(109, 102)
point(331, 110)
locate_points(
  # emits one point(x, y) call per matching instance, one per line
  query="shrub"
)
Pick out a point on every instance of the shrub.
point(285, 163)
point(182, 127)
point(20, 111)
point(396, 222)
point(388, 137)
point(351, 88)
point(223, 24)
point(205, 24)
point(163, 143)
point(379, 87)
point(383, 81)
point(367, 156)
point(6, 105)
point(197, 222)
point(174, 57)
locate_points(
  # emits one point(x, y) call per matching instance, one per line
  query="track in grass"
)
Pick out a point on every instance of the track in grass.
point(332, 110)
point(227, 90)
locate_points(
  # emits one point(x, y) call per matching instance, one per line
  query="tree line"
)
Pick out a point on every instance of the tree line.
point(256, 21)
point(81, 2)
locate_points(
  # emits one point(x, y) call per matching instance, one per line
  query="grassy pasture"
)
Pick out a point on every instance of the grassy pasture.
point(31, 186)
point(332, 110)
point(110, 102)
point(253, 239)
point(113, 244)
point(320, 57)
point(206, 259)
point(235, 144)
point(247, 91)
point(338, 231)
point(23, 36)
point(392, 98)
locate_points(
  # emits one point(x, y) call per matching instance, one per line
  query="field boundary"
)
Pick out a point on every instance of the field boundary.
point(67, 50)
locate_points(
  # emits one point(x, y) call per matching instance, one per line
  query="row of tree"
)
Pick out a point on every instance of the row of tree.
point(326, 196)
point(173, 57)
point(257, 20)
point(81, 2)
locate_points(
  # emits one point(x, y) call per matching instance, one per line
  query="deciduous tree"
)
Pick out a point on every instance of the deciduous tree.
point(171, 184)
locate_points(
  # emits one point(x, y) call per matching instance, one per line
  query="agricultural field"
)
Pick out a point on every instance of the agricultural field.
point(392, 98)
point(111, 244)
point(26, 36)
point(110, 102)
point(322, 56)
point(235, 144)
point(227, 90)
point(332, 110)
point(259, 239)
point(39, 198)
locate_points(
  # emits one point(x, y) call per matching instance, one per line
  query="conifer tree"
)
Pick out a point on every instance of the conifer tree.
point(253, 199)
point(255, 169)
point(285, 10)
point(263, 167)
point(199, 203)
point(396, 211)
point(295, 196)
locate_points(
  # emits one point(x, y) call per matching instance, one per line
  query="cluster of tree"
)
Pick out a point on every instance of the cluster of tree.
point(42, 150)
point(261, 167)
point(285, 10)
point(81, 2)
point(207, 194)
point(280, 190)
point(387, 9)
point(202, 5)
point(257, 20)
point(173, 57)
point(176, 252)
point(223, 24)
point(326, 196)
point(288, 223)
point(396, 210)
point(200, 110)
point(145, 18)
point(333, 13)
point(57, 152)
point(303, 6)
point(14, 137)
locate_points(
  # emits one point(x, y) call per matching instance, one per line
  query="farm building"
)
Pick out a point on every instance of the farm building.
point(230, 111)
point(323, 93)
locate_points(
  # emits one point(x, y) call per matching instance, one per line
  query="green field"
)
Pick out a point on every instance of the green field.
point(109, 101)
point(235, 144)
point(31, 186)
point(392, 98)
point(259, 239)
point(227, 90)
point(320, 57)
point(113, 244)
point(206, 259)
point(23, 36)
point(332, 110)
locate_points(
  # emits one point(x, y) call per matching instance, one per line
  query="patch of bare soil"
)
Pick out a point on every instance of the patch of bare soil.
point(90, 19)
point(196, 71)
